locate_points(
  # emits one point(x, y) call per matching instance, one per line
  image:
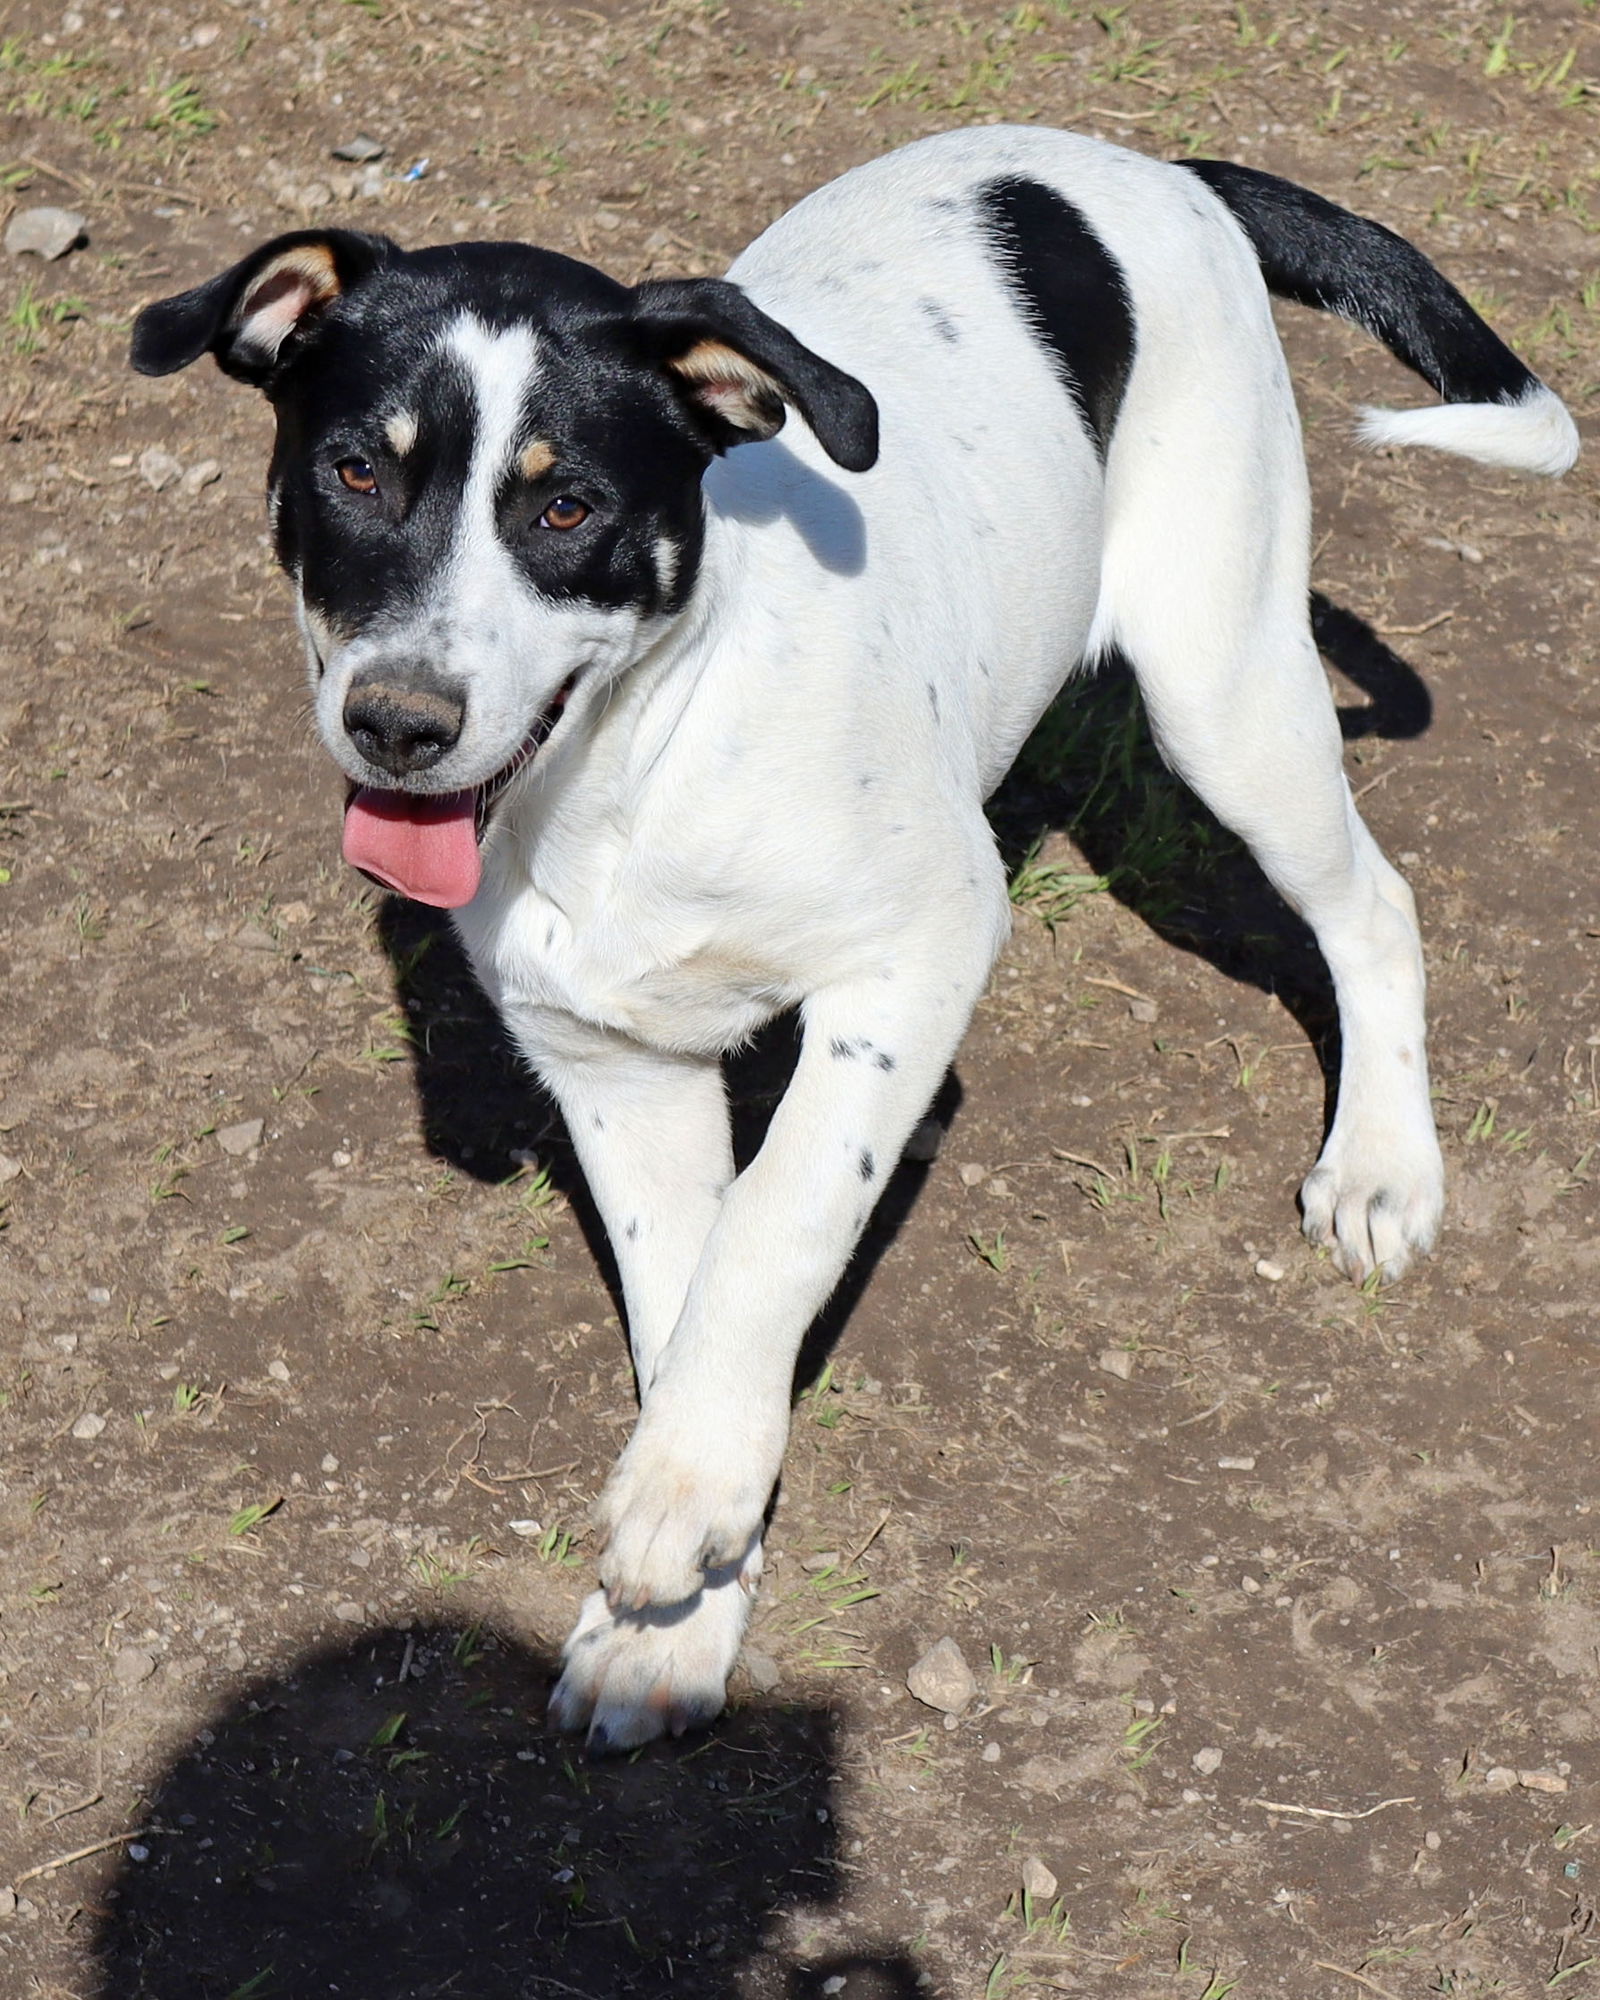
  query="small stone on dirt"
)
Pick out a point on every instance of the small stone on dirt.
point(44, 232)
point(1265, 1268)
point(1236, 1465)
point(237, 1140)
point(1037, 1880)
point(278, 1370)
point(251, 937)
point(348, 1613)
point(159, 469)
point(359, 150)
point(762, 1669)
point(206, 473)
point(971, 1174)
point(942, 1679)
point(132, 1665)
point(9, 1168)
point(1143, 1010)
point(526, 1529)
point(88, 1426)
point(1541, 1781)
point(1499, 1778)
point(1206, 1761)
point(1119, 1362)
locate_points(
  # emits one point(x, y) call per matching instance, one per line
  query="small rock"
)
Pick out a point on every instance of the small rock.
point(348, 1613)
point(235, 1659)
point(1499, 1778)
point(237, 1140)
point(44, 232)
point(1206, 1761)
point(137, 1851)
point(159, 469)
point(204, 35)
point(1037, 1880)
point(10, 1169)
point(924, 1143)
point(971, 1174)
point(251, 937)
point(991, 1753)
point(1143, 1010)
point(278, 1370)
point(607, 220)
point(942, 1679)
point(1250, 1586)
point(8, 1902)
point(361, 1558)
point(360, 150)
point(528, 1530)
point(1236, 1465)
point(132, 1665)
point(824, 1559)
point(88, 1426)
point(98, 1295)
point(294, 913)
point(1541, 1781)
point(1265, 1268)
point(198, 477)
point(1119, 1362)
point(329, 1462)
point(762, 1669)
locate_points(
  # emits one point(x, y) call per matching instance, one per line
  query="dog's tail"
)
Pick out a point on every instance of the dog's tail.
point(1495, 409)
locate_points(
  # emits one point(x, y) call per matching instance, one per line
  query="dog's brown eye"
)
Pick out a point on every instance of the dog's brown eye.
point(564, 513)
point(357, 475)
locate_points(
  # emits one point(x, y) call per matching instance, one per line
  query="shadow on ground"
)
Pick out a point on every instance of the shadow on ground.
point(341, 1830)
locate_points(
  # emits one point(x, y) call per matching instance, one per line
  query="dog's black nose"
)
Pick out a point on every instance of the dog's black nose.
point(399, 729)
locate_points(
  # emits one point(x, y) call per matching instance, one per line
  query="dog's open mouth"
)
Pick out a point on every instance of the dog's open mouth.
point(425, 844)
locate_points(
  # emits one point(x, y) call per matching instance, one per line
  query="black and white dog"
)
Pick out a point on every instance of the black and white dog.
point(684, 735)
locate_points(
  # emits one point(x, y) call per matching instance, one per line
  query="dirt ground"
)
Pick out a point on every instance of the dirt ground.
point(1283, 1598)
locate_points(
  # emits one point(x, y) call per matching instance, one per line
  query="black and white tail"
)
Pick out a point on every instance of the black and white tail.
point(1311, 251)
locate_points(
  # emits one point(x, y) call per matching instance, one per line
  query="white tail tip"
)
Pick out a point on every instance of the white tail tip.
point(1533, 434)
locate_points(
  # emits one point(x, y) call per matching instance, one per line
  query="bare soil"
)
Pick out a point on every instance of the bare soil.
point(1284, 1599)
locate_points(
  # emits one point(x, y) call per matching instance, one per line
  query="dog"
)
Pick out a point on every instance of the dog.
point(688, 715)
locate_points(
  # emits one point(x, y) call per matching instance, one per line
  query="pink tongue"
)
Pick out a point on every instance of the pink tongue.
point(426, 847)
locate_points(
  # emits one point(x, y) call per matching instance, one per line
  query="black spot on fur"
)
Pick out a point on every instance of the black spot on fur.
point(939, 320)
point(933, 700)
point(1072, 291)
point(866, 1166)
point(632, 1230)
point(841, 1050)
point(883, 1060)
point(598, 1122)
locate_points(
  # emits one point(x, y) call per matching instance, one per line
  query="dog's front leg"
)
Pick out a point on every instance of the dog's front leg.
point(651, 1132)
point(692, 1486)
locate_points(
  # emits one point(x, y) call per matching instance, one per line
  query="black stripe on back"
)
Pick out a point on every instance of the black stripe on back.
point(1070, 289)
point(1318, 254)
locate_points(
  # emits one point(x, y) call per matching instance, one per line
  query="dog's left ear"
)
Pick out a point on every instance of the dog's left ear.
point(253, 316)
point(736, 368)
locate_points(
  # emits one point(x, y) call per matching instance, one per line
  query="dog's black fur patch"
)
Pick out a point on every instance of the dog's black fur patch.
point(1318, 254)
point(1071, 289)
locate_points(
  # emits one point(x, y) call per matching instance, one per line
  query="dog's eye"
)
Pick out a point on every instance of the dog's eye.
point(357, 475)
point(564, 513)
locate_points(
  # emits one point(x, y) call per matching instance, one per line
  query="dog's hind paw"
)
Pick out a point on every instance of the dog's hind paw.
point(1375, 1202)
point(628, 1677)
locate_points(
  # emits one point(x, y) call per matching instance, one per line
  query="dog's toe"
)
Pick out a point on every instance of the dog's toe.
point(1375, 1205)
point(629, 1677)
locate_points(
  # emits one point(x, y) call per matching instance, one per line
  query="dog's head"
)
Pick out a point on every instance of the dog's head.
point(486, 487)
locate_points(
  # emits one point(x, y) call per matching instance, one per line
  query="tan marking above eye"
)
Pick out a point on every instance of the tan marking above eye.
point(536, 460)
point(401, 431)
point(564, 514)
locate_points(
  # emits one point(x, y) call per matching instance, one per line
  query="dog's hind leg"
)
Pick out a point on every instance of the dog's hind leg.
point(1206, 593)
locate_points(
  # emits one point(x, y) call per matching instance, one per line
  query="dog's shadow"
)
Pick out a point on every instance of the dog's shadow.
point(1091, 770)
point(388, 1819)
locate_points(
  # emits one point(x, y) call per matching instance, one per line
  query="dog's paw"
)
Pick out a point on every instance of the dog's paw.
point(682, 1500)
point(628, 1677)
point(1375, 1198)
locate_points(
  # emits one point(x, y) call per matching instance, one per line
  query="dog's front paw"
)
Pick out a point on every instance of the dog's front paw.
point(1376, 1197)
point(628, 1677)
point(685, 1498)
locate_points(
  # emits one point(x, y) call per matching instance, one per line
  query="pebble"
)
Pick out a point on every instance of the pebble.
point(1037, 1880)
point(98, 1295)
point(1236, 1465)
point(1143, 1010)
point(88, 1426)
point(44, 232)
point(1117, 1361)
point(331, 1464)
point(132, 1665)
point(348, 1613)
point(942, 1679)
point(1250, 1586)
point(971, 1174)
point(1207, 1761)
point(991, 1753)
point(204, 35)
point(198, 477)
point(237, 1140)
point(251, 937)
point(10, 1169)
point(360, 150)
point(1265, 1268)
point(278, 1370)
point(762, 1669)
point(159, 469)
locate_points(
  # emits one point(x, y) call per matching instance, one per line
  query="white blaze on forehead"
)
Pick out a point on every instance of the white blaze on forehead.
point(501, 367)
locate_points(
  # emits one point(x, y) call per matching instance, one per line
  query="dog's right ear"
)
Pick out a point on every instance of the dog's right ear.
point(253, 316)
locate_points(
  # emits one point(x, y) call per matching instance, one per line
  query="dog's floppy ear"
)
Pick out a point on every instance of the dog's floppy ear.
point(736, 368)
point(251, 317)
